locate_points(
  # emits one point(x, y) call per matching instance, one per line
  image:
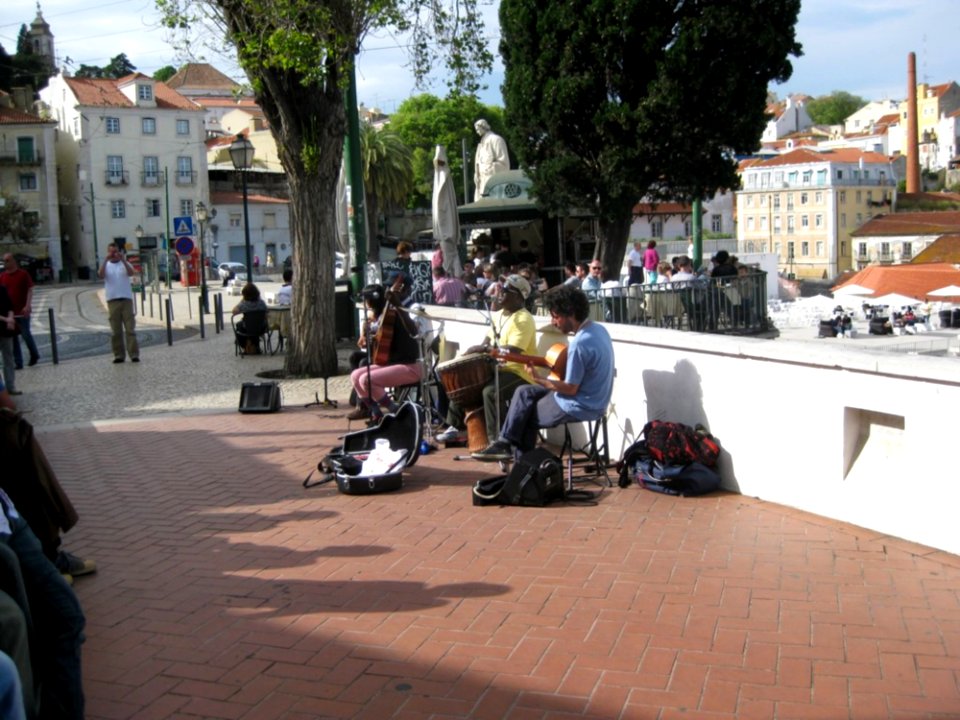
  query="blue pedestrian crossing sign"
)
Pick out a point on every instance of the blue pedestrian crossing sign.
point(183, 226)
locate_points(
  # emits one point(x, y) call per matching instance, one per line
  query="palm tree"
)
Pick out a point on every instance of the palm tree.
point(387, 175)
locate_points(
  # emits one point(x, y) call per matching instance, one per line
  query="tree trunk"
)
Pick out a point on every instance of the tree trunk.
point(613, 244)
point(309, 126)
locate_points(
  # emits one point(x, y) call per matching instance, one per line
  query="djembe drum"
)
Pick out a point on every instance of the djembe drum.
point(463, 379)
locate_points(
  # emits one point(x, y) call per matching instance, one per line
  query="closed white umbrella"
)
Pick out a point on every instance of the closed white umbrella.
point(446, 225)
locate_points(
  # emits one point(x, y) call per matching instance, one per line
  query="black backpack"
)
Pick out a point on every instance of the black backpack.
point(535, 480)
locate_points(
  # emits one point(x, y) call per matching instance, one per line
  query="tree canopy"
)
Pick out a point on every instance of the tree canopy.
point(425, 121)
point(387, 175)
point(611, 101)
point(299, 57)
point(835, 108)
point(165, 73)
point(118, 67)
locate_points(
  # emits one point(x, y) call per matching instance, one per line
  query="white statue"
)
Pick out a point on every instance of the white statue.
point(491, 157)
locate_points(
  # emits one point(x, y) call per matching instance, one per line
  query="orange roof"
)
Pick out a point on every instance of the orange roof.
point(914, 280)
point(804, 155)
point(12, 116)
point(106, 93)
point(945, 249)
point(941, 89)
point(911, 223)
point(246, 103)
point(201, 75)
point(663, 208)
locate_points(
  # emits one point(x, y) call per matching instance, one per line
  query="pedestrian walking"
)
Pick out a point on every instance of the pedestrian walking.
point(116, 272)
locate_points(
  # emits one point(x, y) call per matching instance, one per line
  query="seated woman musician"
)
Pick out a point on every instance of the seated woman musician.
point(394, 351)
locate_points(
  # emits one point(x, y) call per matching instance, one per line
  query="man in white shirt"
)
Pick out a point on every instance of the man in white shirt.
point(685, 273)
point(116, 272)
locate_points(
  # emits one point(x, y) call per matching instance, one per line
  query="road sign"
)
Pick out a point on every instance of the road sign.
point(184, 245)
point(183, 225)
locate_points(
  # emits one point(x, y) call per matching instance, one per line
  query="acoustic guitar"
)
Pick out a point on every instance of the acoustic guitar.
point(555, 360)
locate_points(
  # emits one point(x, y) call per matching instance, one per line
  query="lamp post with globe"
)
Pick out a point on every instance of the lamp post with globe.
point(202, 215)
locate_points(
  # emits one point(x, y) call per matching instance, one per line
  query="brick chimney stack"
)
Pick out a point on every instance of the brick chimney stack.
point(913, 146)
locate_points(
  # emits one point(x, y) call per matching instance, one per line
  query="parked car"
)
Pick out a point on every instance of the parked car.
point(237, 270)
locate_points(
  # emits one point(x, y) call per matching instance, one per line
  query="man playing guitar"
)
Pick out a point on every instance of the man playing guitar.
point(395, 351)
point(514, 331)
point(584, 392)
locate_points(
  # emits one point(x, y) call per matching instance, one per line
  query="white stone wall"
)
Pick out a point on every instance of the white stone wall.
point(858, 436)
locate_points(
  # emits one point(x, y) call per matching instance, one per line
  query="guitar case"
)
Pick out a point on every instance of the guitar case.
point(402, 429)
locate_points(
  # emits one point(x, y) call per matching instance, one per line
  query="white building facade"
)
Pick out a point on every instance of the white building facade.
point(131, 158)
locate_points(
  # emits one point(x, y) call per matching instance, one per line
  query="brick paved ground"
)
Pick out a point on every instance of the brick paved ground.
point(226, 590)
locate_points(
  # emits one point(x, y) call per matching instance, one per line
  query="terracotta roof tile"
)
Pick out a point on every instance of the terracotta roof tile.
point(12, 116)
point(804, 155)
point(910, 223)
point(107, 93)
point(201, 75)
point(915, 280)
point(226, 197)
point(945, 249)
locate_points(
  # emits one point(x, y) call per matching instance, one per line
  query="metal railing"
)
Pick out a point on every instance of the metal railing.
point(186, 178)
point(151, 178)
point(728, 305)
point(117, 177)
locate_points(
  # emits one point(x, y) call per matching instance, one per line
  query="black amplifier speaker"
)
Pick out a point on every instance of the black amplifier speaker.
point(260, 397)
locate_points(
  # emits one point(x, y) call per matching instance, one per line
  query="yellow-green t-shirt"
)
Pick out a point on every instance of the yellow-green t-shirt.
point(515, 330)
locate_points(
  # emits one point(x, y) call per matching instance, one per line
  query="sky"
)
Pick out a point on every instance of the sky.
point(859, 46)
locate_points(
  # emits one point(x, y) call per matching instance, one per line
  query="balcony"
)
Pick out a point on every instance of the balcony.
point(23, 160)
point(151, 178)
point(186, 177)
point(885, 258)
point(117, 177)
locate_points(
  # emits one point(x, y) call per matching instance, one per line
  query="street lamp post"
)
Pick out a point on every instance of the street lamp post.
point(241, 155)
point(202, 215)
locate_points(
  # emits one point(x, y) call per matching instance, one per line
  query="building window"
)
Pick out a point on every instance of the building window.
point(778, 178)
point(792, 177)
point(777, 248)
point(765, 180)
point(763, 201)
point(153, 207)
point(716, 223)
point(790, 225)
point(859, 219)
point(749, 201)
point(805, 248)
point(183, 127)
point(790, 201)
point(839, 174)
point(819, 248)
point(269, 221)
point(862, 250)
point(906, 250)
point(884, 250)
point(184, 170)
point(656, 228)
point(113, 125)
point(776, 202)
point(25, 150)
point(118, 209)
point(687, 228)
point(28, 181)
point(750, 223)
point(843, 220)
point(821, 177)
point(804, 198)
point(115, 169)
point(869, 196)
point(859, 197)
point(235, 219)
point(151, 170)
point(148, 126)
point(145, 92)
point(751, 180)
point(186, 207)
point(818, 221)
point(807, 176)
point(790, 253)
point(804, 222)
point(776, 224)
point(843, 196)
point(763, 223)
point(843, 248)
point(818, 198)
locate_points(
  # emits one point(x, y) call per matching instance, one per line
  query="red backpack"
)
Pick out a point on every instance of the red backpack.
point(672, 443)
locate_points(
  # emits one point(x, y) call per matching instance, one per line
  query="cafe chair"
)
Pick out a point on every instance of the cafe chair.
point(589, 458)
point(251, 333)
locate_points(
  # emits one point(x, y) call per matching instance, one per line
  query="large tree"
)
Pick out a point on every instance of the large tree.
point(298, 55)
point(387, 176)
point(608, 101)
point(425, 121)
point(834, 108)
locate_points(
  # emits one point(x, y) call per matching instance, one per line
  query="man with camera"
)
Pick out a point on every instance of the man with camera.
point(116, 272)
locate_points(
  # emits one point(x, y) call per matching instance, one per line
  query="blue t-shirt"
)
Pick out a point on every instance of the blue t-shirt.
point(590, 365)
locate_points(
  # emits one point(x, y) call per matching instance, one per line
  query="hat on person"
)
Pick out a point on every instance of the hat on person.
point(518, 283)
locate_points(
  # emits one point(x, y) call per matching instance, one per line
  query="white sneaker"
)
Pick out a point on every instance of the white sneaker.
point(451, 433)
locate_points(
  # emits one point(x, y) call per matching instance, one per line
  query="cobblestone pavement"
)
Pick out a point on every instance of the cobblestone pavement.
point(227, 590)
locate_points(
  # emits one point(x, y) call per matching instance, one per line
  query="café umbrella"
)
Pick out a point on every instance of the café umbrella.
point(446, 224)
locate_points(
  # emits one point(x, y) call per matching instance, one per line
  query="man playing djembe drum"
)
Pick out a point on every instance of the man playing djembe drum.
point(513, 330)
